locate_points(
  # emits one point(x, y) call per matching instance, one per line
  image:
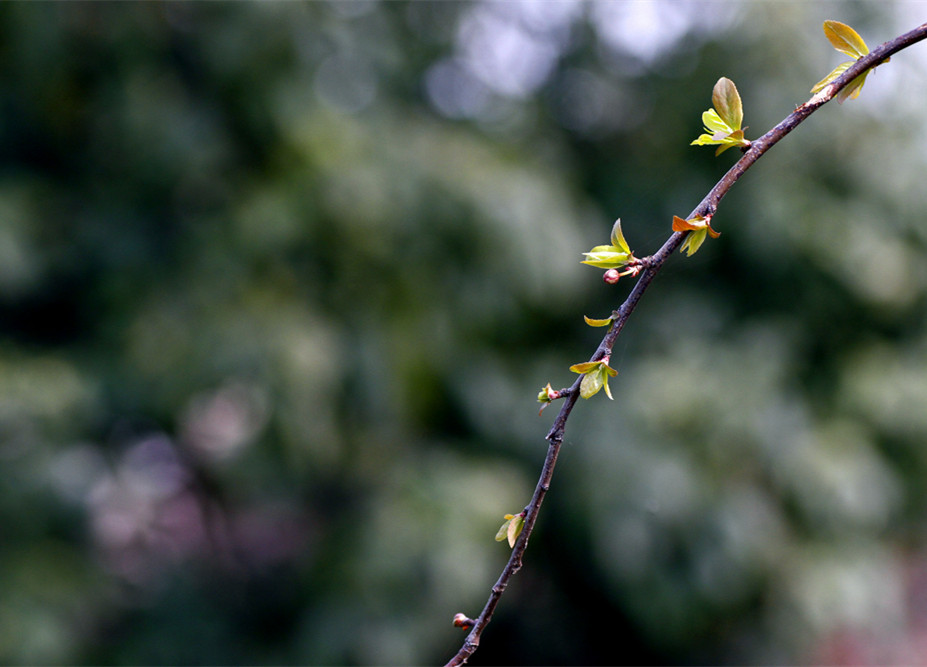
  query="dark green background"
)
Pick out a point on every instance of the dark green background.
point(280, 282)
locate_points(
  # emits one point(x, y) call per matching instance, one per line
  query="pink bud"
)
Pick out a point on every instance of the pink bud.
point(611, 276)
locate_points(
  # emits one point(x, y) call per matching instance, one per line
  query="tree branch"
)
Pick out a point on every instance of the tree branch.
point(652, 266)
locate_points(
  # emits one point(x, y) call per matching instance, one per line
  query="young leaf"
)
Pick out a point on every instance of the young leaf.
point(715, 124)
point(608, 392)
point(722, 123)
point(606, 257)
point(511, 529)
point(597, 323)
point(503, 531)
point(695, 224)
point(613, 256)
point(693, 242)
point(595, 376)
point(699, 229)
point(727, 103)
point(591, 384)
point(514, 530)
point(845, 39)
point(851, 90)
point(837, 71)
point(680, 225)
point(617, 238)
point(584, 367)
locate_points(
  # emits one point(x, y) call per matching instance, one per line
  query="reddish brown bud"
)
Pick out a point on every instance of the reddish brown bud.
point(462, 621)
point(611, 276)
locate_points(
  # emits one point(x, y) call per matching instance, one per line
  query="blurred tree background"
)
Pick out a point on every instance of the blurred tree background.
point(280, 282)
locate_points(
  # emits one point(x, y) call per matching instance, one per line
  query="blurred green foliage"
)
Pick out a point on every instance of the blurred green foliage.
point(279, 283)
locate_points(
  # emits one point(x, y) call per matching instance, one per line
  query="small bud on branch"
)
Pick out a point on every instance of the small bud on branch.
point(463, 621)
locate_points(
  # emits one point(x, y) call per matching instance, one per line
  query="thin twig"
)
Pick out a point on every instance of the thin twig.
point(653, 264)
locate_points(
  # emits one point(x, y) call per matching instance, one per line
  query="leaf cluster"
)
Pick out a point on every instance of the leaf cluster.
point(847, 41)
point(595, 377)
point(723, 122)
point(511, 529)
point(613, 256)
point(699, 228)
